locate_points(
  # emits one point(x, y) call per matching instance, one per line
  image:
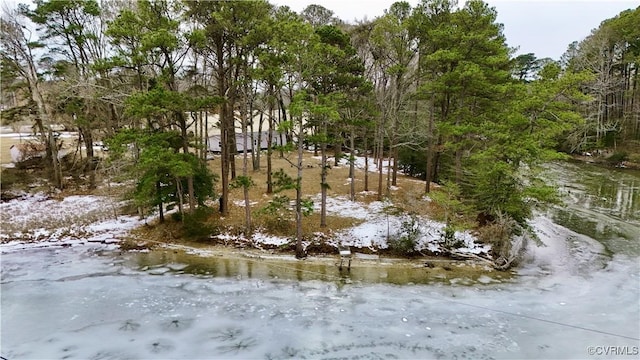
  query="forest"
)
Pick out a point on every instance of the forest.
point(431, 91)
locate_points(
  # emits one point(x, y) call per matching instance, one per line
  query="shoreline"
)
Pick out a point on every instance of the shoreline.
point(225, 261)
point(603, 162)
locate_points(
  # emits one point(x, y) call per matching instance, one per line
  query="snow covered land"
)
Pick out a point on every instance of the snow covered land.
point(88, 218)
point(36, 220)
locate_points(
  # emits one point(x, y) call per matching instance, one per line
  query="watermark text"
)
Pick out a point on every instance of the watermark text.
point(611, 350)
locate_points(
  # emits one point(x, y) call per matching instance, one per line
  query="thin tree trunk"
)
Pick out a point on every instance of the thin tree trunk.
point(88, 144)
point(323, 178)
point(245, 173)
point(269, 144)
point(352, 157)
point(224, 158)
point(160, 204)
point(180, 198)
point(430, 139)
point(299, 250)
point(288, 135)
point(366, 163)
point(380, 158)
point(389, 170)
point(257, 148)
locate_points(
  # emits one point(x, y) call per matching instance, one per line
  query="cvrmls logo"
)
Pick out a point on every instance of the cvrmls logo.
point(614, 350)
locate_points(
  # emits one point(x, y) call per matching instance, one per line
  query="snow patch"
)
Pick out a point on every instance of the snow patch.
point(37, 217)
point(91, 219)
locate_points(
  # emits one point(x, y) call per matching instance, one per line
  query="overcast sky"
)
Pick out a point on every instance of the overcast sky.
point(542, 27)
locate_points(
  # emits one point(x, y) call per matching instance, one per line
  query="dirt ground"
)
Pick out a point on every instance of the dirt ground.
point(407, 196)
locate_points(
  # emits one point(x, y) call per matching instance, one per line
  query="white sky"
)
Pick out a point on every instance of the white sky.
point(543, 27)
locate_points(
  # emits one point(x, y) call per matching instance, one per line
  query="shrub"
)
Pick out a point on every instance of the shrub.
point(12, 178)
point(507, 238)
point(618, 157)
point(8, 178)
point(448, 238)
point(405, 241)
point(195, 224)
point(412, 163)
point(635, 158)
point(277, 214)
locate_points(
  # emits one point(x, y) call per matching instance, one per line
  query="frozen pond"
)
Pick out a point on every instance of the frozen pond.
point(574, 297)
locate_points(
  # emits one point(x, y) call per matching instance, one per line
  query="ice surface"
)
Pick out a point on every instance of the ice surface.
point(83, 303)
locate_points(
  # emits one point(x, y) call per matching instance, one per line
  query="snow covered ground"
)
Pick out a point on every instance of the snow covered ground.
point(37, 221)
point(380, 224)
point(37, 218)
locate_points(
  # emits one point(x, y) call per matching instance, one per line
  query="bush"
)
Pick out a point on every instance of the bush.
point(448, 238)
point(618, 157)
point(634, 158)
point(195, 225)
point(277, 215)
point(12, 178)
point(8, 178)
point(405, 241)
point(501, 235)
point(412, 163)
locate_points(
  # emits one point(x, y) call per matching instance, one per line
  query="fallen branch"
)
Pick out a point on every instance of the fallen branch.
point(493, 263)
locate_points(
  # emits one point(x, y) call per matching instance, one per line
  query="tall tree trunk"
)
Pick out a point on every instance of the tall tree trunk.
point(352, 157)
point(55, 161)
point(206, 133)
point(389, 171)
point(459, 148)
point(366, 162)
point(299, 250)
point(87, 138)
point(288, 135)
point(245, 174)
point(430, 139)
point(160, 204)
point(257, 144)
point(323, 177)
point(397, 107)
point(436, 164)
point(233, 143)
point(380, 153)
point(179, 190)
point(270, 142)
point(337, 146)
point(182, 123)
point(224, 153)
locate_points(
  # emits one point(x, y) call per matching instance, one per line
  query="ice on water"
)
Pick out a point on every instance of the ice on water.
point(83, 303)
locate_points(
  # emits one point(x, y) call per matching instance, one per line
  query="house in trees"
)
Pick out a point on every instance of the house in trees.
point(207, 127)
point(278, 139)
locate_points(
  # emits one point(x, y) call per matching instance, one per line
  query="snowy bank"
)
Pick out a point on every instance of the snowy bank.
point(37, 218)
point(378, 225)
